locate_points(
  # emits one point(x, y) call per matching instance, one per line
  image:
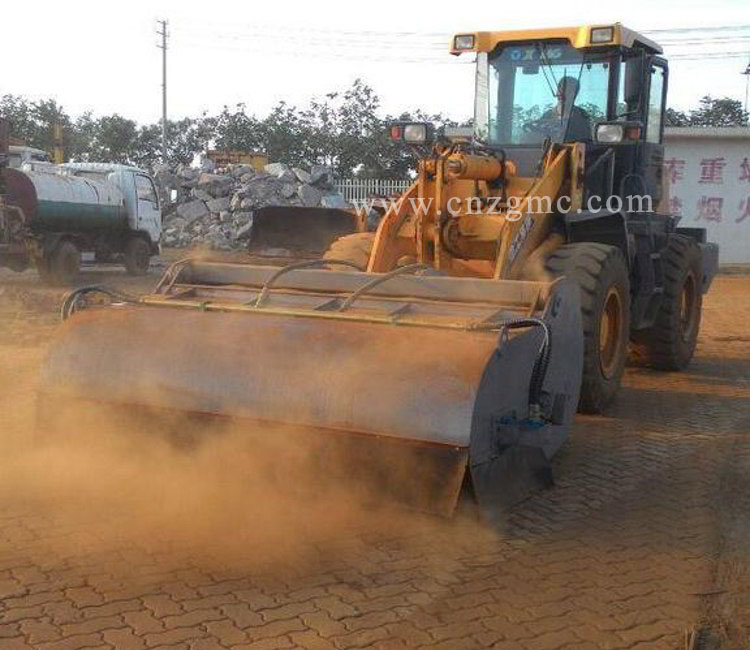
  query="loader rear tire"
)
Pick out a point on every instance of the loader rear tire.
point(670, 343)
point(602, 275)
point(355, 248)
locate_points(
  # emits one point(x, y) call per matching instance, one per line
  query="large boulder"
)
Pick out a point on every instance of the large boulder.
point(191, 211)
point(219, 205)
point(215, 184)
point(277, 169)
point(310, 196)
point(335, 201)
point(321, 176)
point(302, 175)
point(200, 194)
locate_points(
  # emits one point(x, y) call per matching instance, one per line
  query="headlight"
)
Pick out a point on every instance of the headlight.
point(609, 133)
point(412, 132)
point(415, 133)
point(463, 42)
point(602, 35)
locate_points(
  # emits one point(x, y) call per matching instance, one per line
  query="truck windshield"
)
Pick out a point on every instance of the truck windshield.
point(528, 92)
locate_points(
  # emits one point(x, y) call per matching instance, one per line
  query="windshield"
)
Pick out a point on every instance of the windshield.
point(531, 91)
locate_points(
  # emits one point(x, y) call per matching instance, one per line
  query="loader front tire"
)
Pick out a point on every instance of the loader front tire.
point(602, 275)
point(355, 248)
point(669, 344)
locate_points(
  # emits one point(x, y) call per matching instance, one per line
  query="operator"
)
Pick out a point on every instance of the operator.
point(566, 122)
point(579, 123)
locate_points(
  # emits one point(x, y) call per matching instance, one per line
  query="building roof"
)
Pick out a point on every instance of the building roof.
point(713, 132)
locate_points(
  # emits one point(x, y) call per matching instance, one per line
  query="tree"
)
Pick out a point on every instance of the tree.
point(710, 112)
point(719, 112)
point(34, 122)
point(673, 117)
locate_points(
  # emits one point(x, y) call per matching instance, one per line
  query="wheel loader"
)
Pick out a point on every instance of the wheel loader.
point(448, 351)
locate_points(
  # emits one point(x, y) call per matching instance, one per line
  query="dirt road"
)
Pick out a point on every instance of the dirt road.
point(644, 536)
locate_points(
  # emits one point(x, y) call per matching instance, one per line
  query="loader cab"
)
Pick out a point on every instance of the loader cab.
point(604, 87)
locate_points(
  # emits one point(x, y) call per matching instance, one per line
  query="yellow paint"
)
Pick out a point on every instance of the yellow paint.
point(578, 37)
point(221, 158)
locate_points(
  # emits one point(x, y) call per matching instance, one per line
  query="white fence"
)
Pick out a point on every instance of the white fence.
point(359, 189)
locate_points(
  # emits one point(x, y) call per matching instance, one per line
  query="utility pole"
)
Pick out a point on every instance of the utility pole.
point(747, 84)
point(163, 47)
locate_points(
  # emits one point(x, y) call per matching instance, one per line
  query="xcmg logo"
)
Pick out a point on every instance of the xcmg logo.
point(534, 53)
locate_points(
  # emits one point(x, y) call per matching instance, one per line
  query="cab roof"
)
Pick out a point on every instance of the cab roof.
point(578, 37)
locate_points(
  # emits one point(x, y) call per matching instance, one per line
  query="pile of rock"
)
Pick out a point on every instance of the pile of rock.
point(216, 208)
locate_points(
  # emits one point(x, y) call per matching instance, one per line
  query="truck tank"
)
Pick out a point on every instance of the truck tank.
point(55, 202)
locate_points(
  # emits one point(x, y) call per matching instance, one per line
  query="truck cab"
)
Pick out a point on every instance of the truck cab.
point(18, 155)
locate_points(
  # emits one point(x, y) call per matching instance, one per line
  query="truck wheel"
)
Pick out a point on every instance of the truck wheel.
point(355, 248)
point(137, 256)
point(602, 275)
point(62, 266)
point(670, 343)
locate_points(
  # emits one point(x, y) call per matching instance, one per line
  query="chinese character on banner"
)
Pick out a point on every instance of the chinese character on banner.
point(744, 209)
point(675, 206)
point(709, 208)
point(745, 170)
point(712, 171)
point(675, 168)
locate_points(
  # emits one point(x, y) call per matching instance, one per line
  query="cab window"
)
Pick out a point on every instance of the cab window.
point(655, 103)
point(145, 189)
point(544, 89)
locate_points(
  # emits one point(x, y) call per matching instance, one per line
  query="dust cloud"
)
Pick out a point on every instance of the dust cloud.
point(207, 488)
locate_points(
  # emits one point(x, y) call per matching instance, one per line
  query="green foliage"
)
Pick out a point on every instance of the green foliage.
point(673, 117)
point(344, 130)
point(710, 112)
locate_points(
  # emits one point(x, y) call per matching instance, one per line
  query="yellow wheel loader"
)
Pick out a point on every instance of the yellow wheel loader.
point(450, 349)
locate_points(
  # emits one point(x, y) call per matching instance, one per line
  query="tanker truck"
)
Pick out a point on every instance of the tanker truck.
point(50, 214)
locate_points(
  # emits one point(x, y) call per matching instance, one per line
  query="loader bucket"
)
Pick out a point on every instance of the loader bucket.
point(419, 383)
point(299, 231)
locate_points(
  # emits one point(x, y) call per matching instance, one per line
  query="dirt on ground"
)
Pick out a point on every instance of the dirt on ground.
point(642, 542)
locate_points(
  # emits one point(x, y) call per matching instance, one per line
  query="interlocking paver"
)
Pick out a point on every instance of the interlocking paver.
point(173, 636)
point(17, 643)
point(161, 605)
point(92, 625)
point(266, 644)
point(616, 555)
point(242, 615)
point(274, 629)
point(124, 639)
point(286, 611)
point(73, 642)
point(194, 617)
point(360, 638)
point(143, 622)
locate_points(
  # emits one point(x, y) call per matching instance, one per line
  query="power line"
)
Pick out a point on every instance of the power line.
point(417, 47)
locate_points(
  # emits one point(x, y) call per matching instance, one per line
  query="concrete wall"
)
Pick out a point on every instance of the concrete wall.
point(709, 172)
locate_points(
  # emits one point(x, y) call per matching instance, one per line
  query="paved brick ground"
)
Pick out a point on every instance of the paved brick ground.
point(620, 554)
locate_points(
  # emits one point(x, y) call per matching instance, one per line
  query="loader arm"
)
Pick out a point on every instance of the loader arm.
point(471, 215)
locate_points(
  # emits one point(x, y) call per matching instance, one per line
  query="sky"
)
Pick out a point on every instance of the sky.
point(103, 56)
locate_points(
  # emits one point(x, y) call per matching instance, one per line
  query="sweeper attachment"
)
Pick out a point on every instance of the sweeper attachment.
point(420, 383)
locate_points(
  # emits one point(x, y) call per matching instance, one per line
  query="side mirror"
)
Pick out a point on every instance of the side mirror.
point(635, 70)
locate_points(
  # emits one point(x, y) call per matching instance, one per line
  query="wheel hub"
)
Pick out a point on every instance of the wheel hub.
point(610, 332)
